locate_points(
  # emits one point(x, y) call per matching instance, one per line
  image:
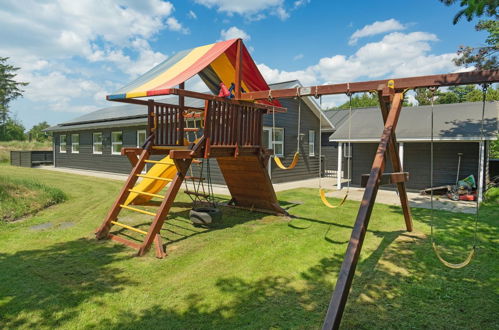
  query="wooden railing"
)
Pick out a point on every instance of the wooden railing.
point(167, 124)
point(229, 125)
point(226, 124)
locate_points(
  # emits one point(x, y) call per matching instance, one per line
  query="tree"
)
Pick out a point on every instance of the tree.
point(456, 94)
point(473, 8)
point(484, 57)
point(12, 130)
point(10, 89)
point(36, 132)
point(365, 100)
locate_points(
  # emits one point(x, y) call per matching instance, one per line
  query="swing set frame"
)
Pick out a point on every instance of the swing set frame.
point(391, 96)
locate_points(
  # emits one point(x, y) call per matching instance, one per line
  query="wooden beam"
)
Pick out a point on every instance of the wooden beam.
point(387, 178)
point(384, 96)
point(181, 104)
point(439, 80)
point(347, 271)
point(239, 68)
point(159, 219)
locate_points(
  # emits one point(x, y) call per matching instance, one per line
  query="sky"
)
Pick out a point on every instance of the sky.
point(74, 53)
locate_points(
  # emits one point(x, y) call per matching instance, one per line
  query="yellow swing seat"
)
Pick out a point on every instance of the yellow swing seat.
point(279, 163)
point(451, 265)
point(326, 202)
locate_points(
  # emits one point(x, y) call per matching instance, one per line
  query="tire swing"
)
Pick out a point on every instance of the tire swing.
point(296, 156)
point(322, 192)
point(471, 253)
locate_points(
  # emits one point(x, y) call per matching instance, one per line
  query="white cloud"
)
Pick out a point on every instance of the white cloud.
point(374, 60)
point(233, 33)
point(192, 14)
point(376, 28)
point(299, 3)
point(298, 57)
point(251, 9)
point(174, 25)
point(66, 48)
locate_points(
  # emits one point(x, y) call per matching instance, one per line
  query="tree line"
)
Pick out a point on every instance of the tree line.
point(10, 89)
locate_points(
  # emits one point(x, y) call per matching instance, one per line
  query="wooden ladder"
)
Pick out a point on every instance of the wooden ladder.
point(153, 234)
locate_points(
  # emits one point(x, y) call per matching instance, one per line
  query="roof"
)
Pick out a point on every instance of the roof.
point(215, 63)
point(452, 122)
point(132, 114)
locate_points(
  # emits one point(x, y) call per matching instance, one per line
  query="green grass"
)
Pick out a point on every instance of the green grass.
point(250, 271)
point(20, 197)
point(7, 146)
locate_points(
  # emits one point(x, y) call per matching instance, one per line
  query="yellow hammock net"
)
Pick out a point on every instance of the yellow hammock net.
point(279, 163)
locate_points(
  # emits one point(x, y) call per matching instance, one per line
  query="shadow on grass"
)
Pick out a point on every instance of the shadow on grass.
point(54, 281)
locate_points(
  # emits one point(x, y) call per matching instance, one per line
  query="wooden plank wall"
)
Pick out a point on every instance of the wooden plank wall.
point(417, 162)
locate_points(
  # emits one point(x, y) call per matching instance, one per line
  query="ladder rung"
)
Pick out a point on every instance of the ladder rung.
point(158, 162)
point(146, 193)
point(195, 161)
point(189, 129)
point(196, 178)
point(137, 210)
point(154, 177)
point(129, 227)
point(189, 192)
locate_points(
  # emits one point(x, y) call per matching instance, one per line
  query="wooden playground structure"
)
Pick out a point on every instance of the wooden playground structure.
point(232, 134)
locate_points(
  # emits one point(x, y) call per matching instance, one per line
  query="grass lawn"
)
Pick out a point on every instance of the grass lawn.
point(249, 271)
point(19, 197)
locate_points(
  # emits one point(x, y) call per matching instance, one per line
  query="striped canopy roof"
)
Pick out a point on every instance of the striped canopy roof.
point(214, 63)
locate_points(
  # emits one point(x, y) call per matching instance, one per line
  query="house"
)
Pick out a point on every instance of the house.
point(456, 139)
point(94, 141)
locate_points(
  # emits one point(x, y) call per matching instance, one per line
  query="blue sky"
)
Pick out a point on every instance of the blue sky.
point(73, 53)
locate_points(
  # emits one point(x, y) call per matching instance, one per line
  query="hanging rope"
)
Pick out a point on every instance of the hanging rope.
point(321, 190)
point(296, 156)
point(433, 243)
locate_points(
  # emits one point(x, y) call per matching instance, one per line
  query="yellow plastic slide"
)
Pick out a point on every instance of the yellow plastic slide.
point(153, 186)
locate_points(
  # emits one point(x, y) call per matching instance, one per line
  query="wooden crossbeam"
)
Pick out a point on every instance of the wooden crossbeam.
point(439, 80)
point(386, 178)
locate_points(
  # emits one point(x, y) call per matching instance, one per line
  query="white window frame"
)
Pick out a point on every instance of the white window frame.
point(96, 143)
point(311, 143)
point(61, 149)
point(139, 145)
point(113, 143)
point(277, 142)
point(73, 144)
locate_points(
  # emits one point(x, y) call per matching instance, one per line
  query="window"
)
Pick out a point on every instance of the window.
point(311, 143)
point(97, 143)
point(75, 143)
point(278, 143)
point(141, 138)
point(116, 142)
point(62, 144)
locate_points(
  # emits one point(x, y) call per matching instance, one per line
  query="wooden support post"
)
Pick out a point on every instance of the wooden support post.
point(384, 96)
point(181, 124)
point(159, 219)
point(239, 69)
point(347, 271)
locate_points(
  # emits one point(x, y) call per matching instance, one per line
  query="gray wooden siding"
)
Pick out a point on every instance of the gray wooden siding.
point(86, 159)
point(308, 166)
point(417, 162)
